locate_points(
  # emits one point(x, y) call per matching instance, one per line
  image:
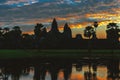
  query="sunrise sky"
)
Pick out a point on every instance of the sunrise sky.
point(78, 13)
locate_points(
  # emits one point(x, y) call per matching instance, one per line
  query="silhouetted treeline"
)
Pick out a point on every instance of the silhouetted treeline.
point(54, 39)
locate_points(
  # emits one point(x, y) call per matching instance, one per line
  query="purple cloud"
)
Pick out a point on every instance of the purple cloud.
point(10, 2)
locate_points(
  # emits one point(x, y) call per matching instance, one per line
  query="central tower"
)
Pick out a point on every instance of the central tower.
point(54, 28)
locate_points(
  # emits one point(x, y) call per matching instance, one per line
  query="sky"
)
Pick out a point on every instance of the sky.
point(77, 13)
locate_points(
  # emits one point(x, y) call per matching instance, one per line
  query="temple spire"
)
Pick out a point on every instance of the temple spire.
point(54, 26)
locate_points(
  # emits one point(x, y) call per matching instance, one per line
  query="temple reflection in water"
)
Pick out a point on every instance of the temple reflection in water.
point(82, 69)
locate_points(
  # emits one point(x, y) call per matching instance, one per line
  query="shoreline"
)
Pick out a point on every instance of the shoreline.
point(68, 54)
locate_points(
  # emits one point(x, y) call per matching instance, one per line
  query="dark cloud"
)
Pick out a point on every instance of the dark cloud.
point(2, 1)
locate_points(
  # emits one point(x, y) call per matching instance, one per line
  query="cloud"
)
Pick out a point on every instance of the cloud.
point(14, 2)
point(77, 13)
point(42, 10)
point(2, 1)
point(11, 2)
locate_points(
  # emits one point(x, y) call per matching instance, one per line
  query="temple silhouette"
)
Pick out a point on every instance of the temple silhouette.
point(54, 39)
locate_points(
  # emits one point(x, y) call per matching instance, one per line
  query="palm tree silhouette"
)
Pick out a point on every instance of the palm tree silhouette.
point(95, 25)
point(88, 32)
point(113, 31)
point(113, 34)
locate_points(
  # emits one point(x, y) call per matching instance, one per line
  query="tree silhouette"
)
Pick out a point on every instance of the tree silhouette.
point(17, 31)
point(6, 30)
point(89, 31)
point(43, 39)
point(95, 26)
point(6, 37)
point(44, 33)
point(27, 41)
point(113, 33)
point(16, 35)
point(37, 32)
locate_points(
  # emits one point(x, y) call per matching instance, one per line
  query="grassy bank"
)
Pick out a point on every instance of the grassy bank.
point(58, 53)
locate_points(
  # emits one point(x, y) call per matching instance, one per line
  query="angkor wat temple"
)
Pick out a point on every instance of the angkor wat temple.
point(54, 39)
